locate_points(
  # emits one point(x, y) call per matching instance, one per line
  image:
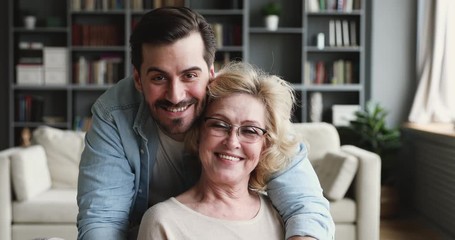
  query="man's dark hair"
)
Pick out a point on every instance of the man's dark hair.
point(167, 25)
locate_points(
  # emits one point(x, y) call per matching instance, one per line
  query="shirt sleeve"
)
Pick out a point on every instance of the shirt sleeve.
point(297, 195)
point(105, 185)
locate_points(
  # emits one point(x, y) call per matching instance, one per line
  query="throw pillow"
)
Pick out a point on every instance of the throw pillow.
point(336, 172)
point(63, 149)
point(30, 174)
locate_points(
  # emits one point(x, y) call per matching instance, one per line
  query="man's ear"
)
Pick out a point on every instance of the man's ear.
point(137, 80)
point(211, 73)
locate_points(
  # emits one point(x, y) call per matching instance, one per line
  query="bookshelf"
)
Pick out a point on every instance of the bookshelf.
point(337, 70)
point(88, 39)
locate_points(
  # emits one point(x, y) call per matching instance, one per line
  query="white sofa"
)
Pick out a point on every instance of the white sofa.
point(38, 184)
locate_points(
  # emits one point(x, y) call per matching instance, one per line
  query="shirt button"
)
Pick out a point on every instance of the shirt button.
point(142, 151)
point(140, 190)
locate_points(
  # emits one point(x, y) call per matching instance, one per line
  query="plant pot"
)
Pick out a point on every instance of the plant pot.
point(390, 201)
point(271, 22)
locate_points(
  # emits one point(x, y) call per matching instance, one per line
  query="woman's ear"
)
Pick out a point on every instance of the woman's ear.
point(137, 80)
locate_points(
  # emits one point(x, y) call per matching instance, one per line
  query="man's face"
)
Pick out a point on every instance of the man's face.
point(173, 79)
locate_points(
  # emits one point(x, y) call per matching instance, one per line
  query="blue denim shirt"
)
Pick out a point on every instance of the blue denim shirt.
point(114, 173)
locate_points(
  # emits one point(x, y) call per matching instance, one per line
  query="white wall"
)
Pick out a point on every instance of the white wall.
point(392, 56)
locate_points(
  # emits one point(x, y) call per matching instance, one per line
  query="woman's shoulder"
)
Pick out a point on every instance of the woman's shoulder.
point(163, 206)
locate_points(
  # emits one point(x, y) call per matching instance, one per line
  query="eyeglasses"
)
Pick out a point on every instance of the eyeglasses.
point(246, 134)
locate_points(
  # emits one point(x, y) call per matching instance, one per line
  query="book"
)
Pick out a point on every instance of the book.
point(218, 31)
point(76, 5)
point(345, 33)
point(320, 73)
point(157, 3)
point(353, 33)
point(29, 108)
point(338, 33)
point(348, 5)
point(313, 5)
point(348, 72)
point(331, 4)
point(340, 5)
point(322, 5)
point(307, 72)
point(137, 5)
point(83, 74)
point(357, 5)
point(332, 33)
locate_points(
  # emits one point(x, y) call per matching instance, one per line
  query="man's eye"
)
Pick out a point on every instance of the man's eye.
point(158, 78)
point(190, 75)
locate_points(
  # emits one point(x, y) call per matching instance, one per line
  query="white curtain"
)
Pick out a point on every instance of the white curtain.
point(435, 97)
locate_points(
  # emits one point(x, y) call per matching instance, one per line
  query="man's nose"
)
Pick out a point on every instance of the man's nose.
point(176, 91)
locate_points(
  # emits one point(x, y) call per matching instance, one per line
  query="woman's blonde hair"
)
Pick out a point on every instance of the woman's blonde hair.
point(278, 98)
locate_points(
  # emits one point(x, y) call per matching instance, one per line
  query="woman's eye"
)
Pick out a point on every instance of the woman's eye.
point(220, 126)
point(249, 131)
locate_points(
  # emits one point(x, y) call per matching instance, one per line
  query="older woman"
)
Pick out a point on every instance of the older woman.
point(242, 138)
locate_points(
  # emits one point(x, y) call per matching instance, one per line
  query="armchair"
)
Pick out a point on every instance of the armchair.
point(350, 178)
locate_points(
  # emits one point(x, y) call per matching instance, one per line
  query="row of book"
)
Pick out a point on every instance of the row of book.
point(29, 108)
point(337, 5)
point(102, 71)
point(342, 33)
point(227, 34)
point(96, 35)
point(149, 4)
point(337, 72)
point(97, 5)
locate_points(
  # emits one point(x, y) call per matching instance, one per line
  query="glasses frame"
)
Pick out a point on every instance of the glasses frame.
point(237, 131)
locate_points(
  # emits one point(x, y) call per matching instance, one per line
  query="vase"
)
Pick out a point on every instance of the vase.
point(316, 106)
point(271, 22)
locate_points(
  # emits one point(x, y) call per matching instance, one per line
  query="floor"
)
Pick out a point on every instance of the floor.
point(409, 227)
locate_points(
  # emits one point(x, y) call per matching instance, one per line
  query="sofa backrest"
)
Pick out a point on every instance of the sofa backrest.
point(63, 150)
point(320, 138)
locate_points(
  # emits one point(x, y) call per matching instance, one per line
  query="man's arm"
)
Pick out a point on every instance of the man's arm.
point(105, 184)
point(297, 195)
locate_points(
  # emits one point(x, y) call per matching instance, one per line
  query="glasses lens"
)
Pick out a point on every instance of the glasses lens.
point(249, 133)
point(217, 127)
point(220, 128)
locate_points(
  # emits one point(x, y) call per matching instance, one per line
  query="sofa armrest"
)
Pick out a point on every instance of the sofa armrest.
point(5, 193)
point(367, 192)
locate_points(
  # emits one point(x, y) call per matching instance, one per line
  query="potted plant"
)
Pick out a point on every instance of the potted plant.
point(271, 12)
point(370, 130)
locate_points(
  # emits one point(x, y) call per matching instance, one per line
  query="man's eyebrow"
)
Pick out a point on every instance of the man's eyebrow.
point(156, 69)
point(195, 68)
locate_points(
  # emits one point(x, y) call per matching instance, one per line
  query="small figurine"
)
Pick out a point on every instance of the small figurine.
point(26, 136)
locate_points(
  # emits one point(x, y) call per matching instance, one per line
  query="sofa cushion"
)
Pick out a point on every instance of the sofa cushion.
point(343, 211)
point(63, 149)
point(336, 172)
point(319, 137)
point(52, 206)
point(29, 172)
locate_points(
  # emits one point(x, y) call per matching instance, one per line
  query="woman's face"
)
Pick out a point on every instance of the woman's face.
point(229, 159)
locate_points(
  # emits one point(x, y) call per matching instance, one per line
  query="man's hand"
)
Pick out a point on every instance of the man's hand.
point(301, 238)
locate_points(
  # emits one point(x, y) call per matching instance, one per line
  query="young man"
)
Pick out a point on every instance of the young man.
point(133, 154)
